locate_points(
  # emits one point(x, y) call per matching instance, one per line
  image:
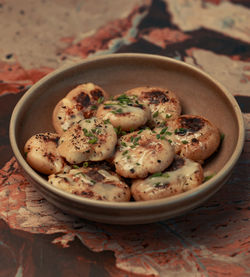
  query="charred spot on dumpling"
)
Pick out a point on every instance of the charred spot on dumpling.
point(88, 194)
point(156, 96)
point(194, 140)
point(51, 157)
point(95, 175)
point(47, 137)
point(176, 164)
point(82, 100)
point(193, 124)
point(161, 185)
point(96, 94)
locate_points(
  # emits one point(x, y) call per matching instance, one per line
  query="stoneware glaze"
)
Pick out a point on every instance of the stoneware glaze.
point(199, 94)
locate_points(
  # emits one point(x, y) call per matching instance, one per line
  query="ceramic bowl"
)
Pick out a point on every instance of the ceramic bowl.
point(199, 94)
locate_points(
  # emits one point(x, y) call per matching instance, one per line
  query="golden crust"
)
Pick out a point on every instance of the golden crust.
point(194, 137)
point(124, 112)
point(163, 103)
point(88, 140)
point(142, 152)
point(80, 103)
point(42, 153)
point(94, 183)
point(186, 176)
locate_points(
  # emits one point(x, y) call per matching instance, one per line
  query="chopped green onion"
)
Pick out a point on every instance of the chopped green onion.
point(93, 140)
point(119, 110)
point(125, 152)
point(206, 178)
point(123, 144)
point(157, 174)
point(85, 164)
point(106, 121)
point(163, 131)
point(80, 173)
point(166, 175)
point(137, 139)
point(100, 100)
point(155, 114)
point(93, 107)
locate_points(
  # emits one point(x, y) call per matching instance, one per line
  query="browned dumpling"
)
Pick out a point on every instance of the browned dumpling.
point(163, 103)
point(181, 176)
point(125, 112)
point(193, 137)
point(42, 153)
point(142, 152)
point(88, 140)
point(80, 103)
point(92, 182)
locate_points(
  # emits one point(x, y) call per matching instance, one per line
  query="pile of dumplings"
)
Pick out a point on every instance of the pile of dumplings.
point(135, 146)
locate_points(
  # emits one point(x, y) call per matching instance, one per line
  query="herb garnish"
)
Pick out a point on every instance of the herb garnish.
point(206, 178)
point(85, 164)
point(125, 152)
point(119, 131)
point(123, 144)
point(155, 114)
point(80, 173)
point(159, 174)
point(180, 131)
point(100, 100)
point(106, 121)
point(93, 140)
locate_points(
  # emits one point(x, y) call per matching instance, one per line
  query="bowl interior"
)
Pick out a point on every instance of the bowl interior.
point(198, 94)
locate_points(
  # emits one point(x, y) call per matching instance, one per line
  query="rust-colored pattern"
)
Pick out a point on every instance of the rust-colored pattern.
point(36, 239)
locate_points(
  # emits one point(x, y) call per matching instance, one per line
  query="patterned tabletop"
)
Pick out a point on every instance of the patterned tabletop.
point(38, 37)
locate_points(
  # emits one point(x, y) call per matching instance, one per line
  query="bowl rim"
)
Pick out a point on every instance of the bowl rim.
point(141, 205)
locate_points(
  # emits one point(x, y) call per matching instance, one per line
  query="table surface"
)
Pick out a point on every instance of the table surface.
point(38, 37)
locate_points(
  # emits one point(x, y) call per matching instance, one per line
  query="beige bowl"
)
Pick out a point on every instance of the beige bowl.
point(199, 94)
